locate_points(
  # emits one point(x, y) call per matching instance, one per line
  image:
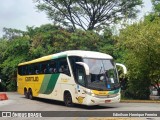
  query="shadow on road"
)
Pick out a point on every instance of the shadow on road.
point(95, 107)
point(60, 103)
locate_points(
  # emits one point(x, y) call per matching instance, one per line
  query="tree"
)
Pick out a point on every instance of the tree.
point(156, 5)
point(10, 33)
point(142, 44)
point(9, 57)
point(15, 53)
point(49, 39)
point(42, 40)
point(88, 14)
point(3, 46)
point(155, 12)
point(109, 43)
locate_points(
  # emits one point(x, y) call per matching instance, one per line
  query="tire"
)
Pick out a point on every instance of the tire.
point(68, 99)
point(30, 95)
point(26, 94)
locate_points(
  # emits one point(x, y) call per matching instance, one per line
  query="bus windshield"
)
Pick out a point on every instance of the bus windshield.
point(103, 74)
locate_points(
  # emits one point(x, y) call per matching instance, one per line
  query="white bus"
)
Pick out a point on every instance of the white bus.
point(75, 76)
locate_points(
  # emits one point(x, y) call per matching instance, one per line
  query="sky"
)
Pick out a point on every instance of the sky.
point(21, 13)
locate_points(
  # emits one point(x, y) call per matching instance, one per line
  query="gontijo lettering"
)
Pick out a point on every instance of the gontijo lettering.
point(31, 79)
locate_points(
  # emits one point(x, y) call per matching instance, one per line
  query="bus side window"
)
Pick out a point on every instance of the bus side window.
point(73, 60)
point(30, 69)
point(36, 69)
point(52, 67)
point(44, 68)
point(20, 70)
point(40, 68)
point(80, 75)
point(63, 66)
point(25, 70)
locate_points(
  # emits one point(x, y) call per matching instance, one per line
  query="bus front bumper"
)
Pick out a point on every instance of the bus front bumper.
point(99, 100)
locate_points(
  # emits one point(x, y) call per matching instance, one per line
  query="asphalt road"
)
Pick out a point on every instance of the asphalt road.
point(17, 102)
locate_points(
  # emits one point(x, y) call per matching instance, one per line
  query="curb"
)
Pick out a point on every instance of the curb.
point(140, 101)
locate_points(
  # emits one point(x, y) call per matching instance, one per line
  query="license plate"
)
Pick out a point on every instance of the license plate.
point(107, 101)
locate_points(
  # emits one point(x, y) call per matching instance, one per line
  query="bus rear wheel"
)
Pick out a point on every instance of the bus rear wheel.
point(26, 94)
point(68, 99)
point(30, 94)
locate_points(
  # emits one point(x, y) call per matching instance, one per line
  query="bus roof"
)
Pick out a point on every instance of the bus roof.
point(81, 53)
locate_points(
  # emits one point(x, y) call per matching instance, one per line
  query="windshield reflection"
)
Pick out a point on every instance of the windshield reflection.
point(103, 75)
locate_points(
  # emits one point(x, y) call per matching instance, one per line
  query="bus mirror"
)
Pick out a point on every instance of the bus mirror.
point(123, 66)
point(86, 67)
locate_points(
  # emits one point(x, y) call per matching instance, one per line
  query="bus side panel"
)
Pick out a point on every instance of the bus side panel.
point(76, 91)
point(37, 84)
point(30, 81)
point(55, 86)
point(20, 84)
point(68, 84)
point(50, 87)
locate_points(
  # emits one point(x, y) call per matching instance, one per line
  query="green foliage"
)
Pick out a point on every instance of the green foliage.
point(88, 14)
point(12, 86)
point(155, 13)
point(3, 46)
point(142, 44)
point(85, 40)
point(12, 53)
point(59, 39)
point(156, 5)
point(11, 33)
point(109, 43)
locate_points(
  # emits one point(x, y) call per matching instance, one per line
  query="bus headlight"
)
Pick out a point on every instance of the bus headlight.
point(88, 92)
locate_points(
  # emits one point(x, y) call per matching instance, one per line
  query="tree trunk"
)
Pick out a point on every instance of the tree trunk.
point(158, 91)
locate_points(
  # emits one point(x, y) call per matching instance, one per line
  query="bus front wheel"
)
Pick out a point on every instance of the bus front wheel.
point(68, 99)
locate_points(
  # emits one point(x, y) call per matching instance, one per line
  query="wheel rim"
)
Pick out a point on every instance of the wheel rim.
point(30, 95)
point(26, 95)
point(68, 99)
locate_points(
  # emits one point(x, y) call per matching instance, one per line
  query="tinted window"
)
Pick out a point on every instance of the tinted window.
point(52, 67)
point(36, 69)
point(73, 60)
point(63, 66)
point(20, 70)
point(80, 75)
point(47, 67)
point(44, 68)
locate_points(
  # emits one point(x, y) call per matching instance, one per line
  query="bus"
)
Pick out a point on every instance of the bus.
point(74, 77)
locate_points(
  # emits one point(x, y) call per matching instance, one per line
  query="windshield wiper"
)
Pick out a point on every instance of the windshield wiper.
point(100, 89)
point(100, 70)
point(94, 88)
point(106, 78)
